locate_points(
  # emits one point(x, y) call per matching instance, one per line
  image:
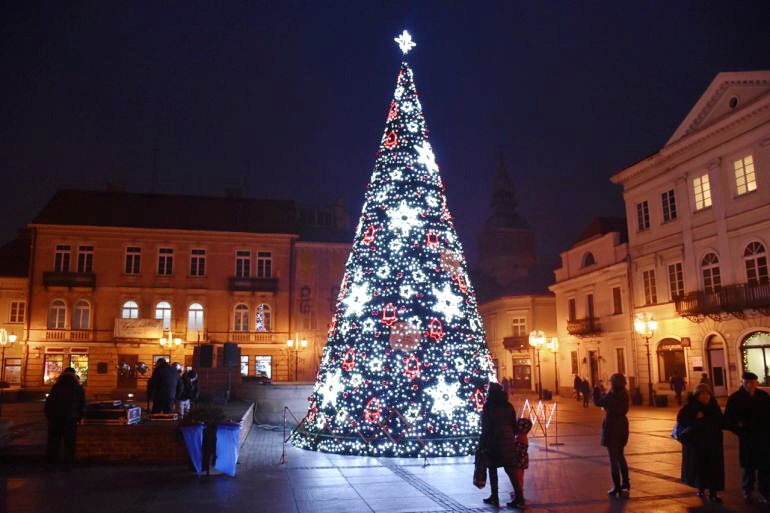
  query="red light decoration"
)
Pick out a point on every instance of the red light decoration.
point(393, 111)
point(369, 234)
point(350, 360)
point(478, 399)
point(412, 367)
point(372, 410)
point(391, 140)
point(389, 314)
point(432, 239)
point(435, 329)
point(462, 283)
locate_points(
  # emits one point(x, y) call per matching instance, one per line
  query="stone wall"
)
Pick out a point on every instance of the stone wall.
point(270, 400)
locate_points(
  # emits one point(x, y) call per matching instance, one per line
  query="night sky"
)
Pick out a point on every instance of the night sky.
point(288, 99)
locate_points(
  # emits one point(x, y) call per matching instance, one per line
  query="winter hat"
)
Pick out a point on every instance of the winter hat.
point(524, 425)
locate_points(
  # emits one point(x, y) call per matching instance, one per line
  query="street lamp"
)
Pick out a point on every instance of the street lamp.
point(537, 340)
point(553, 346)
point(5, 340)
point(169, 340)
point(645, 325)
point(296, 345)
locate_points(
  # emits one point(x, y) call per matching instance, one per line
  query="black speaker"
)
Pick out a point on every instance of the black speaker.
point(232, 355)
point(203, 356)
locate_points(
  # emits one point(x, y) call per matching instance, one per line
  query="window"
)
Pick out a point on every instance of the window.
point(712, 280)
point(79, 362)
point(244, 365)
point(198, 262)
point(165, 261)
point(617, 301)
point(702, 190)
point(675, 280)
point(519, 326)
point(243, 263)
point(16, 311)
point(620, 352)
point(642, 216)
point(571, 309)
point(263, 318)
point(133, 260)
point(588, 259)
point(650, 290)
point(669, 205)
point(53, 365)
point(263, 366)
point(195, 317)
point(130, 310)
point(756, 264)
point(241, 318)
point(61, 262)
point(590, 306)
point(745, 179)
point(573, 360)
point(85, 259)
point(81, 315)
point(264, 264)
point(163, 312)
point(57, 313)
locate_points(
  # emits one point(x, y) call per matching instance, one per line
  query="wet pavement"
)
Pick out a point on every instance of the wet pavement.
point(568, 478)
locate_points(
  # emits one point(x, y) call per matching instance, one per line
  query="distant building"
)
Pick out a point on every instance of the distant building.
point(14, 264)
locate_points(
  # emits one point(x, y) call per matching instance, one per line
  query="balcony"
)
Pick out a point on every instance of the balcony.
point(69, 279)
point(732, 300)
point(68, 335)
point(253, 284)
point(587, 327)
point(251, 336)
point(516, 343)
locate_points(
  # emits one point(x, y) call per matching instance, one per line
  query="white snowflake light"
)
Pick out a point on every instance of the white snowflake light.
point(368, 325)
point(405, 42)
point(331, 388)
point(399, 92)
point(447, 303)
point(375, 365)
point(406, 291)
point(412, 126)
point(427, 158)
point(356, 300)
point(407, 107)
point(404, 218)
point(444, 395)
point(356, 380)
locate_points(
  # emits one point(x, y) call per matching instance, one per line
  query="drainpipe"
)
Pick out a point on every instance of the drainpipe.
point(30, 275)
point(632, 312)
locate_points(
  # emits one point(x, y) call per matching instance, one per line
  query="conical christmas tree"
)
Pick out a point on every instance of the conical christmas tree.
point(405, 368)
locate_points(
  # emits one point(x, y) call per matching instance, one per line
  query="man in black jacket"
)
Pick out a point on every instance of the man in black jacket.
point(163, 387)
point(64, 408)
point(748, 415)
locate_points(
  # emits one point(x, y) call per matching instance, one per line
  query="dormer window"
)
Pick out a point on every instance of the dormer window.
point(588, 260)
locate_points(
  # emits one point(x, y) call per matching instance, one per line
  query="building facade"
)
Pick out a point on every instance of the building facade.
point(698, 215)
point(14, 289)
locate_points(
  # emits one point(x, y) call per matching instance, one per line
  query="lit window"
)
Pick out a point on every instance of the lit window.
point(263, 366)
point(745, 179)
point(243, 263)
point(702, 190)
point(198, 262)
point(130, 310)
point(669, 206)
point(642, 216)
point(712, 280)
point(650, 289)
point(264, 264)
point(81, 315)
point(163, 312)
point(195, 317)
point(133, 260)
point(57, 314)
point(244, 365)
point(61, 263)
point(165, 261)
point(263, 318)
point(756, 264)
point(17, 311)
point(241, 318)
point(675, 280)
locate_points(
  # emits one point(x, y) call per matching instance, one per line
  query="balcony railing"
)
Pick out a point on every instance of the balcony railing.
point(253, 284)
point(729, 300)
point(252, 336)
point(584, 327)
point(516, 343)
point(65, 335)
point(69, 279)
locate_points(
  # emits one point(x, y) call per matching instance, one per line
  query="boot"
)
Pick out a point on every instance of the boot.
point(614, 491)
point(493, 499)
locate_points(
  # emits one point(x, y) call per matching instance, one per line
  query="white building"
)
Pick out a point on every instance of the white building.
point(698, 215)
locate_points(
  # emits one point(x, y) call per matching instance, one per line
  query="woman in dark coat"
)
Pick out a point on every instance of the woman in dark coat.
point(700, 430)
point(615, 431)
point(498, 439)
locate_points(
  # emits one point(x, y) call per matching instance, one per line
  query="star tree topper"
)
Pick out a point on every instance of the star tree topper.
point(405, 42)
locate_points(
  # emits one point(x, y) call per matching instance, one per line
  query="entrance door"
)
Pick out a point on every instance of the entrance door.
point(127, 371)
point(522, 377)
point(593, 360)
point(718, 374)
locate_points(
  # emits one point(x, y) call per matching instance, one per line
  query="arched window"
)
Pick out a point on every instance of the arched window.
point(81, 315)
point(163, 312)
point(712, 280)
point(588, 259)
point(130, 310)
point(756, 264)
point(756, 355)
point(241, 318)
point(195, 317)
point(57, 313)
point(263, 318)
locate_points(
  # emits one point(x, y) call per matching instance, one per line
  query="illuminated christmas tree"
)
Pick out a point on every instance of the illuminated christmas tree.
point(405, 368)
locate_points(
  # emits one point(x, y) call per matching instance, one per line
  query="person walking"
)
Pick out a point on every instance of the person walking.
point(748, 415)
point(498, 440)
point(700, 431)
point(615, 432)
point(585, 388)
point(163, 387)
point(188, 392)
point(63, 409)
point(577, 384)
point(677, 385)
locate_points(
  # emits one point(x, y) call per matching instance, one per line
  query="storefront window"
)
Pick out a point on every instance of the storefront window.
point(244, 365)
point(79, 362)
point(756, 355)
point(53, 365)
point(263, 366)
point(12, 372)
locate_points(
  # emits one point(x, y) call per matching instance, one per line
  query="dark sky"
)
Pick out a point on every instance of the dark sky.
point(290, 98)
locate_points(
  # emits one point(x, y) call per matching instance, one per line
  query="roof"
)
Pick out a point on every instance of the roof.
point(603, 225)
point(14, 258)
point(168, 211)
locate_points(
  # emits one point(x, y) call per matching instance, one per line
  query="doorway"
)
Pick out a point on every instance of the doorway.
point(716, 365)
point(127, 371)
point(522, 373)
point(593, 365)
point(671, 360)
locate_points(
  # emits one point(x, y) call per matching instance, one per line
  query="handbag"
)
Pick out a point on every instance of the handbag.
point(680, 433)
point(480, 469)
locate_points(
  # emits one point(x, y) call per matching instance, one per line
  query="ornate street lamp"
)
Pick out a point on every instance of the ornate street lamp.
point(296, 345)
point(169, 340)
point(537, 340)
point(553, 346)
point(645, 326)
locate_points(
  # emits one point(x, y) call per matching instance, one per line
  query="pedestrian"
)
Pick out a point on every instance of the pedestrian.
point(699, 425)
point(577, 384)
point(163, 387)
point(677, 385)
point(63, 409)
point(748, 415)
point(585, 388)
point(189, 392)
point(615, 432)
point(705, 380)
point(524, 426)
point(498, 440)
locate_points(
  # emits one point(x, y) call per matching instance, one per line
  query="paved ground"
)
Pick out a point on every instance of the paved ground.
point(570, 478)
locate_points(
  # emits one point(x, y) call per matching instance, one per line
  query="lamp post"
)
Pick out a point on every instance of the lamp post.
point(645, 325)
point(5, 340)
point(537, 340)
point(170, 341)
point(296, 345)
point(553, 346)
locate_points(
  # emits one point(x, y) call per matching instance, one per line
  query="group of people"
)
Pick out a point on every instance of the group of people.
point(169, 389)
point(585, 391)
